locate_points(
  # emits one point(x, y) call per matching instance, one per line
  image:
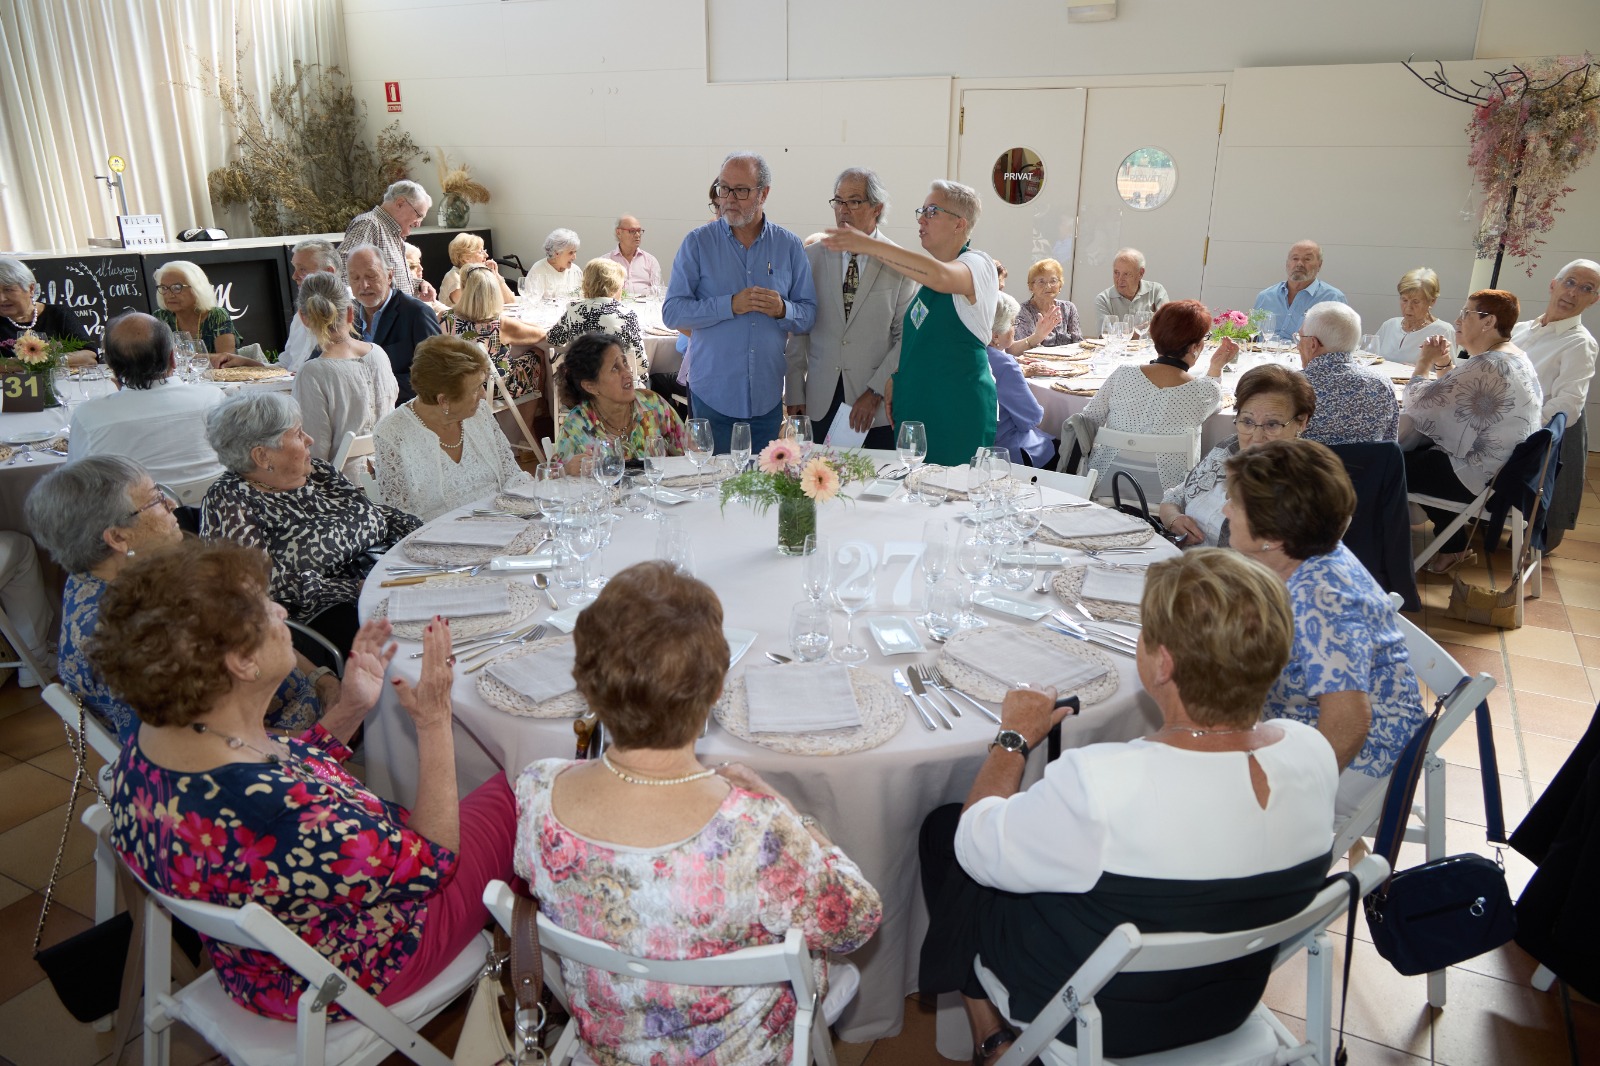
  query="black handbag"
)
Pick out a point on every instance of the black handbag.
point(1139, 510)
point(1451, 909)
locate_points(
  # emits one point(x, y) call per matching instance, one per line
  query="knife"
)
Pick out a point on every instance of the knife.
point(917, 687)
point(946, 690)
point(905, 689)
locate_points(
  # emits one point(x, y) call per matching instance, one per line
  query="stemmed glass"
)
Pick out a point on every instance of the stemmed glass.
point(853, 583)
point(810, 631)
point(912, 445)
point(699, 450)
point(579, 535)
point(739, 446)
point(655, 468)
point(798, 429)
point(815, 574)
point(609, 464)
point(62, 385)
point(975, 560)
point(935, 552)
point(674, 546)
point(604, 521)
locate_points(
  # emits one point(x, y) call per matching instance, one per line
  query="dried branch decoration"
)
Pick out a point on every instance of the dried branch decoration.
point(455, 179)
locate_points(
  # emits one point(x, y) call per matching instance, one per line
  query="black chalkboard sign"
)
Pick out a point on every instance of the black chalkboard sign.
point(97, 288)
point(251, 283)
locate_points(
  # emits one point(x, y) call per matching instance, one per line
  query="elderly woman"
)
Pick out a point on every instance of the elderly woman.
point(1214, 821)
point(1352, 404)
point(628, 848)
point(1270, 403)
point(443, 449)
point(596, 385)
point(414, 268)
point(1020, 411)
point(350, 387)
point(600, 311)
point(943, 380)
point(21, 311)
point(1162, 396)
point(206, 804)
point(94, 516)
point(188, 304)
point(478, 317)
point(1349, 674)
point(315, 526)
point(1044, 319)
point(468, 250)
point(557, 271)
point(1460, 425)
point(1400, 339)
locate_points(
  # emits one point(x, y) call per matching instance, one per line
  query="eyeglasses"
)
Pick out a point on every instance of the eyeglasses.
point(1465, 311)
point(1251, 425)
point(163, 499)
point(415, 210)
point(172, 290)
point(1587, 290)
point(738, 192)
point(854, 204)
point(637, 232)
point(929, 210)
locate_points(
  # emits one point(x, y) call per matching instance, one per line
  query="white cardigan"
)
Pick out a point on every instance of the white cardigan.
point(417, 476)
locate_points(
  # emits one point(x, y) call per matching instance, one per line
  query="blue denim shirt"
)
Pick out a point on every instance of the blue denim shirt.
point(738, 366)
point(1275, 298)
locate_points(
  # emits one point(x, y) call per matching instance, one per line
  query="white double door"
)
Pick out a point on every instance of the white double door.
point(1078, 217)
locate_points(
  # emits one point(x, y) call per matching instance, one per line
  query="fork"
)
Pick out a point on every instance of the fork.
point(920, 675)
point(1095, 553)
point(936, 678)
point(488, 654)
point(469, 642)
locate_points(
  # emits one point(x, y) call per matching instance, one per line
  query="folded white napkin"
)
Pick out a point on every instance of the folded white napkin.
point(950, 479)
point(419, 603)
point(1092, 522)
point(472, 533)
point(1026, 658)
point(1114, 586)
point(800, 698)
point(544, 675)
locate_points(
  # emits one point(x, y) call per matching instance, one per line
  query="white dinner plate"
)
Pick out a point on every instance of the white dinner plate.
point(895, 636)
point(1006, 605)
point(36, 437)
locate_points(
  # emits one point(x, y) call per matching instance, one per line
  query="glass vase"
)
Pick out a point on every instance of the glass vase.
point(797, 519)
point(454, 210)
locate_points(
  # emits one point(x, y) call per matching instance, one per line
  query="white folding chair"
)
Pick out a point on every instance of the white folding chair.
point(1138, 454)
point(1262, 1038)
point(353, 446)
point(19, 646)
point(786, 963)
point(190, 493)
point(1076, 484)
point(249, 1039)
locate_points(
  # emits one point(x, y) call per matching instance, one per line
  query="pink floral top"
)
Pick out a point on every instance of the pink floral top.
point(745, 879)
point(306, 840)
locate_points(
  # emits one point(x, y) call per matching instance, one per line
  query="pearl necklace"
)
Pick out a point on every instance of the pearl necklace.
point(18, 326)
point(461, 431)
point(238, 742)
point(605, 758)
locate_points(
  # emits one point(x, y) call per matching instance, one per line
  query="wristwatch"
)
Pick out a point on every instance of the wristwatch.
point(1011, 740)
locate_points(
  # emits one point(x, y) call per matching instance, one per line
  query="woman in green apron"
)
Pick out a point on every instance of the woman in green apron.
point(943, 380)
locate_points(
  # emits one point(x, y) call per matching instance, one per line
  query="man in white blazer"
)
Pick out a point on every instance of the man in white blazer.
point(854, 346)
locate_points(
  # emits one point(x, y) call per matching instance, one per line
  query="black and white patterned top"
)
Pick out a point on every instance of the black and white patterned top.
point(605, 315)
point(1352, 404)
point(317, 535)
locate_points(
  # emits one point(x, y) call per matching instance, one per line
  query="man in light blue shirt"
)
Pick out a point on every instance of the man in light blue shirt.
point(742, 285)
point(1290, 300)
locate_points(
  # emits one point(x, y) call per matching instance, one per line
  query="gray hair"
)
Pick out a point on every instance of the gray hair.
point(373, 249)
point(1576, 264)
point(763, 172)
point(1132, 255)
point(963, 198)
point(1336, 325)
point(406, 189)
point(15, 272)
point(1006, 310)
point(247, 421)
point(72, 506)
point(322, 252)
point(877, 191)
point(559, 241)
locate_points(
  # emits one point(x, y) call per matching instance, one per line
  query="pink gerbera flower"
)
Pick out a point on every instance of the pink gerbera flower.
point(776, 456)
point(31, 348)
point(819, 480)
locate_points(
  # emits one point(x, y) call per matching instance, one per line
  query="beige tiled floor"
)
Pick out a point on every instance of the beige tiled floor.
point(1548, 676)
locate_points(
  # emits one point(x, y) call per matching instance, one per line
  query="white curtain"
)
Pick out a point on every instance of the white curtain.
point(81, 80)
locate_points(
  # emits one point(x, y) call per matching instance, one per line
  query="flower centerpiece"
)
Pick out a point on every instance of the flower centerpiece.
point(461, 190)
point(783, 476)
point(1238, 325)
point(38, 356)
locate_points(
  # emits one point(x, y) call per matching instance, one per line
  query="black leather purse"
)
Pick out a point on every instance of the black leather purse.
point(1138, 510)
point(1451, 909)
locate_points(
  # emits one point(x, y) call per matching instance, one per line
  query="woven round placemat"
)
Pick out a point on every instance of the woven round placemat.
point(524, 600)
point(502, 696)
point(703, 479)
point(516, 504)
point(1113, 540)
point(915, 479)
point(983, 687)
point(1060, 370)
point(1068, 587)
point(883, 712)
point(466, 554)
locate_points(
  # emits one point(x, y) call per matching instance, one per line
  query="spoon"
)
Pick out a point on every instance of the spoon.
point(779, 659)
point(542, 583)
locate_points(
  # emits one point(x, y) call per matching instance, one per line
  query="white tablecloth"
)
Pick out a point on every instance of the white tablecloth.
point(872, 803)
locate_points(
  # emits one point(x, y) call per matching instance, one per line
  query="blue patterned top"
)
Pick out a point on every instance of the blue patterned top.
point(1352, 404)
point(295, 707)
point(1346, 639)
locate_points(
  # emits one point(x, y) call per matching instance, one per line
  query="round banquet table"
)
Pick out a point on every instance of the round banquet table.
point(872, 803)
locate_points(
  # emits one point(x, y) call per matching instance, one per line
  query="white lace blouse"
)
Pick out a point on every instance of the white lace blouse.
point(418, 477)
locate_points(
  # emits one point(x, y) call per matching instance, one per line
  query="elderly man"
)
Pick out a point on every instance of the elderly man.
point(387, 317)
point(1129, 292)
point(1352, 405)
point(641, 269)
point(1563, 352)
point(386, 228)
point(854, 345)
point(742, 284)
point(311, 256)
point(1290, 300)
point(154, 418)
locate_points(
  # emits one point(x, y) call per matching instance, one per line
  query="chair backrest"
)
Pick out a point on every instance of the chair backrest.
point(1077, 484)
point(353, 446)
point(66, 705)
point(1137, 452)
point(317, 648)
point(1526, 482)
point(1379, 532)
point(1439, 670)
point(190, 493)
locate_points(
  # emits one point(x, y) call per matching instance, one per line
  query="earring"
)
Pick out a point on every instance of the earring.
point(446, 407)
point(258, 674)
point(130, 553)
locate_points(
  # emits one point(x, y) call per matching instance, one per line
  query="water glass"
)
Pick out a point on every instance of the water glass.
point(609, 464)
point(550, 487)
point(810, 631)
point(673, 545)
point(816, 578)
point(943, 618)
point(62, 385)
point(911, 443)
point(739, 446)
point(699, 450)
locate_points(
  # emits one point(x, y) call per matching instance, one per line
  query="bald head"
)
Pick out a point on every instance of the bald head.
point(1127, 271)
point(139, 349)
point(629, 234)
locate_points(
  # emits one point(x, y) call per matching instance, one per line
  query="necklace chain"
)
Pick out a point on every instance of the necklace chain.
point(605, 758)
point(237, 742)
point(627, 426)
point(461, 431)
point(1203, 732)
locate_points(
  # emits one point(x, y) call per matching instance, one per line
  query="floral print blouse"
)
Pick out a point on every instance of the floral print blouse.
point(1478, 412)
point(304, 839)
point(605, 315)
point(295, 707)
point(317, 535)
point(652, 417)
point(1352, 404)
point(745, 879)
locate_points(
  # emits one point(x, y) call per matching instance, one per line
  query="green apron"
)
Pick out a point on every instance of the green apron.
point(944, 380)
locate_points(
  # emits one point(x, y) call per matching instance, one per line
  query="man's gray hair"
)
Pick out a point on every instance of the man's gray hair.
point(1336, 325)
point(246, 421)
point(323, 253)
point(1576, 264)
point(963, 199)
point(559, 241)
point(73, 505)
point(371, 248)
point(15, 272)
point(406, 189)
point(1132, 255)
point(755, 159)
point(1006, 310)
point(877, 191)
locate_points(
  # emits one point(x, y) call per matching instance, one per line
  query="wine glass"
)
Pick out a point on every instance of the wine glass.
point(739, 446)
point(699, 450)
point(1269, 326)
point(815, 574)
point(798, 429)
point(655, 468)
point(912, 445)
point(61, 384)
point(609, 464)
point(550, 488)
point(975, 560)
point(810, 631)
point(935, 552)
point(604, 521)
point(853, 582)
point(674, 546)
